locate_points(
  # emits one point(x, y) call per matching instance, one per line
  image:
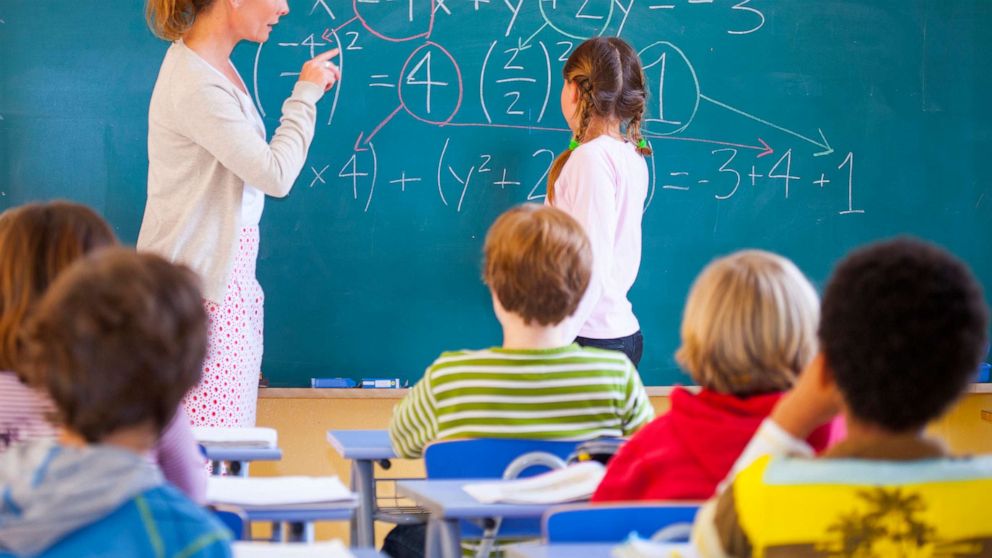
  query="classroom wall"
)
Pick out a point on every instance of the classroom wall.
point(302, 417)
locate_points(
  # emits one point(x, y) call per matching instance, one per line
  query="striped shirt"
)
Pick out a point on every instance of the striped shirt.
point(23, 412)
point(568, 393)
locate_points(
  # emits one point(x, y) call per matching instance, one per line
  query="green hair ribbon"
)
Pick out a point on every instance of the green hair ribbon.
point(573, 143)
point(643, 144)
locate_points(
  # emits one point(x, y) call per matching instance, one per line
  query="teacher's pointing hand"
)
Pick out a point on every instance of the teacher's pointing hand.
point(321, 70)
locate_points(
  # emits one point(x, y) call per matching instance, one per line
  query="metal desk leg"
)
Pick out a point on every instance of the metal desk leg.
point(302, 531)
point(363, 522)
point(238, 468)
point(444, 538)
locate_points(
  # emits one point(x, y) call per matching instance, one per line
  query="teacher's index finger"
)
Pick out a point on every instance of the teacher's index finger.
point(325, 56)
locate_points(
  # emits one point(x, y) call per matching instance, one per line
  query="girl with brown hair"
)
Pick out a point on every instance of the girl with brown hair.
point(37, 243)
point(210, 167)
point(602, 181)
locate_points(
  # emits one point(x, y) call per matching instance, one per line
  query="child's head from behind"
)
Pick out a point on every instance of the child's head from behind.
point(538, 263)
point(749, 325)
point(903, 330)
point(37, 242)
point(117, 341)
point(603, 84)
point(608, 83)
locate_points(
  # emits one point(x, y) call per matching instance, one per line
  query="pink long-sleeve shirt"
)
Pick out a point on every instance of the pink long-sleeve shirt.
point(603, 186)
point(23, 416)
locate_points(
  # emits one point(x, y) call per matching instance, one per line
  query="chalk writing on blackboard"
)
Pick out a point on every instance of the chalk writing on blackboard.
point(515, 78)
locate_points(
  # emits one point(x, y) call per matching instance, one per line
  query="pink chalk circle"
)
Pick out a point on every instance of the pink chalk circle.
point(426, 34)
point(458, 77)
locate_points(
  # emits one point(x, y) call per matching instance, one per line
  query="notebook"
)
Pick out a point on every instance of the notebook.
point(573, 483)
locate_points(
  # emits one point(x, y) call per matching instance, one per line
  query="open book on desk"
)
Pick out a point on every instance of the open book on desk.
point(573, 483)
point(238, 437)
point(276, 491)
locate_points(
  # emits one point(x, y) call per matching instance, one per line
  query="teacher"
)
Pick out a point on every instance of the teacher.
point(209, 170)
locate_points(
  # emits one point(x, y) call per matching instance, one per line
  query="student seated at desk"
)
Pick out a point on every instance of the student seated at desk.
point(748, 328)
point(536, 385)
point(37, 242)
point(903, 329)
point(116, 342)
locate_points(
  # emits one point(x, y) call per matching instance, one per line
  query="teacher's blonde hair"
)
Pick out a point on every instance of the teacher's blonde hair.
point(170, 19)
point(749, 325)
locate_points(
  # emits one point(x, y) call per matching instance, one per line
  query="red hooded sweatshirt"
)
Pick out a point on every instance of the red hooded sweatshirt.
point(685, 453)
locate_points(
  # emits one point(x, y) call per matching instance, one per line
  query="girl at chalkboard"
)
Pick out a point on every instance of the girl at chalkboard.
point(602, 181)
point(210, 167)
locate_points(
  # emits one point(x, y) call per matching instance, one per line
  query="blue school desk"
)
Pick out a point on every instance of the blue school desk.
point(294, 523)
point(448, 504)
point(587, 550)
point(238, 457)
point(364, 448)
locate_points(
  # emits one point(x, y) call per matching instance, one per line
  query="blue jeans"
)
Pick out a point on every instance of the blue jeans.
point(632, 345)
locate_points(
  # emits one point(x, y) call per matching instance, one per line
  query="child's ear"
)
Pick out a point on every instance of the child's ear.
point(573, 91)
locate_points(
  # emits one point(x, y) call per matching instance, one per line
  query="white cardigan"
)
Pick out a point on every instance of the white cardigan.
point(203, 150)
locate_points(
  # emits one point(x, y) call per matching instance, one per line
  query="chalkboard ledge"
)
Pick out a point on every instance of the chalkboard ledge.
point(310, 393)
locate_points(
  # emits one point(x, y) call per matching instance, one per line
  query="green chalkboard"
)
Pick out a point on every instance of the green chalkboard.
point(803, 127)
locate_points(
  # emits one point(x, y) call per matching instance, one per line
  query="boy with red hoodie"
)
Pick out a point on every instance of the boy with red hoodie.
point(748, 328)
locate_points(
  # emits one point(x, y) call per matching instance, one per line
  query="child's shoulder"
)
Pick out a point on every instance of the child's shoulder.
point(570, 354)
point(605, 356)
point(459, 357)
point(181, 522)
point(794, 470)
point(159, 519)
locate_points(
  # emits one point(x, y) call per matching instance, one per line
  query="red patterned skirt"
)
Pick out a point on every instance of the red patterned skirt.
point(228, 392)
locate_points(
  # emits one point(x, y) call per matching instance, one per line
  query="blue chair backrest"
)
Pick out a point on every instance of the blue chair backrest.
point(234, 519)
point(613, 523)
point(486, 458)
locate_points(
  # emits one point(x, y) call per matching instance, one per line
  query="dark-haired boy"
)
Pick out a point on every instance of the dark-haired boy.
point(117, 341)
point(903, 328)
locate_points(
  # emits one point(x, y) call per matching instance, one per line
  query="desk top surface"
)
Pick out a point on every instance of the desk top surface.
point(325, 511)
point(447, 499)
point(361, 444)
point(591, 550)
point(228, 453)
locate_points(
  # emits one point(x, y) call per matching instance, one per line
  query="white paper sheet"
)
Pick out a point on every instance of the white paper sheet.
point(276, 491)
point(573, 483)
point(640, 548)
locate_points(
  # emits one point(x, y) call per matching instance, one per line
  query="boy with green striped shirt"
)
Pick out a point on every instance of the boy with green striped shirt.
point(538, 263)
